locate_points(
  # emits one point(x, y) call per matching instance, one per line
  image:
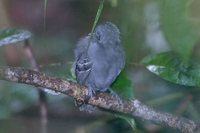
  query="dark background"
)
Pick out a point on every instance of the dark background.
point(67, 21)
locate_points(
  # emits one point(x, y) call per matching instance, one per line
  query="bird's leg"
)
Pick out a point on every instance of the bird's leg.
point(115, 95)
point(90, 93)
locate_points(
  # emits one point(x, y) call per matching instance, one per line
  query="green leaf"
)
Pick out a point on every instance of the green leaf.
point(171, 67)
point(178, 29)
point(123, 86)
point(129, 120)
point(11, 35)
point(114, 3)
point(45, 13)
point(98, 15)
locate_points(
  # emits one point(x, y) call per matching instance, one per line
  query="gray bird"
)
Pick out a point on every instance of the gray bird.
point(99, 58)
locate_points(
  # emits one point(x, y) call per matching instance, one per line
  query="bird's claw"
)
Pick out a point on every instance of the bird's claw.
point(116, 96)
point(89, 93)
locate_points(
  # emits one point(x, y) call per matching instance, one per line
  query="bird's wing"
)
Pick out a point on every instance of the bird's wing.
point(83, 68)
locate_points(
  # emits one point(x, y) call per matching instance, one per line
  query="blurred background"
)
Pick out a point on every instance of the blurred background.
point(145, 26)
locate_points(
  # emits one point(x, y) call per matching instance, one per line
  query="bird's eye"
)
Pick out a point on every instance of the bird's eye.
point(98, 36)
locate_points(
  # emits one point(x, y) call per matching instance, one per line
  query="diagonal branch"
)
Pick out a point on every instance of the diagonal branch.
point(132, 108)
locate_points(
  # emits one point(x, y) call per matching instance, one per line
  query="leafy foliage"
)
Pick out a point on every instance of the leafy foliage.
point(12, 35)
point(98, 14)
point(178, 29)
point(113, 3)
point(171, 67)
point(129, 120)
point(45, 11)
point(123, 85)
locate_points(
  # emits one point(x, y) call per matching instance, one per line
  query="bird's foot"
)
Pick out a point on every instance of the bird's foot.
point(89, 93)
point(115, 95)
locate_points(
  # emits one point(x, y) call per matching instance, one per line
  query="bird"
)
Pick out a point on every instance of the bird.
point(99, 59)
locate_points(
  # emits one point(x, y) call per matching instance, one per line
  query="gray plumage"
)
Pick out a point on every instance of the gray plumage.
point(99, 58)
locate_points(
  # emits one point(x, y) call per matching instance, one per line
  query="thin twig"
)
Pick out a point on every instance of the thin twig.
point(132, 108)
point(183, 105)
point(42, 96)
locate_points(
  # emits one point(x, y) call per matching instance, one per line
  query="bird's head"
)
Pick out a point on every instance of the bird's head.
point(107, 34)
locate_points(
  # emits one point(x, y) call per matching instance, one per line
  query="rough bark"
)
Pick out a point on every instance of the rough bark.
point(132, 108)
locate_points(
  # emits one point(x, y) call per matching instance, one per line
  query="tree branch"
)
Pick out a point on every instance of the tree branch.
point(132, 108)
